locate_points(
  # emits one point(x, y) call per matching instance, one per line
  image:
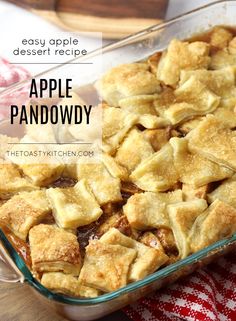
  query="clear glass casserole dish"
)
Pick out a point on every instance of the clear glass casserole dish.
point(134, 48)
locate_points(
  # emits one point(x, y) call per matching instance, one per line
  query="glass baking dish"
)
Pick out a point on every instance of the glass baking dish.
point(133, 48)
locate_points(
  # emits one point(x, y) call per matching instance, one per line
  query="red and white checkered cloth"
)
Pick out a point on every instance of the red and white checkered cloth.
point(9, 75)
point(207, 295)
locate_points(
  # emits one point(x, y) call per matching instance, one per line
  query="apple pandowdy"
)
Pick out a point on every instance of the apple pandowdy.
point(165, 186)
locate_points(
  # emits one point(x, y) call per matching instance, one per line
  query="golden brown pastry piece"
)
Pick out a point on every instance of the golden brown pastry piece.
point(12, 182)
point(222, 59)
point(232, 46)
point(131, 157)
point(191, 192)
point(157, 137)
point(116, 124)
point(106, 266)
point(104, 186)
point(228, 103)
point(114, 168)
point(127, 80)
point(220, 37)
point(194, 169)
point(226, 192)
point(148, 259)
point(190, 124)
point(221, 82)
point(226, 112)
point(218, 221)
point(152, 122)
point(214, 141)
point(75, 206)
point(23, 211)
point(54, 250)
point(42, 174)
point(140, 105)
point(38, 166)
point(157, 172)
point(182, 55)
point(193, 98)
point(67, 284)
point(182, 216)
point(148, 210)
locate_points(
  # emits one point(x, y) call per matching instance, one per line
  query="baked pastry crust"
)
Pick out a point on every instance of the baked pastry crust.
point(218, 221)
point(54, 250)
point(117, 123)
point(182, 55)
point(156, 173)
point(182, 216)
point(221, 82)
point(13, 182)
point(147, 260)
point(194, 169)
point(130, 157)
point(191, 192)
point(151, 121)
point(75, 206)
point(143, 106)
point(226, 116)
point(192, 99)
point(140, 105)
point(232, 46)
point(104, 186)
point(148, 210)
point(42, 174)
point(127, 80)
point(220, 37)
point(168, 151)
point(219, 145)
point(157, 137)
point(226, 192)
point(67, 284)
point(222, 59)
point(114, 168)
point(25, 210)
point(106, 266)
point(190, 124)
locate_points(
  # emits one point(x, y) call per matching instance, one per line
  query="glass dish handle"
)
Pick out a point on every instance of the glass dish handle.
point(8, 271)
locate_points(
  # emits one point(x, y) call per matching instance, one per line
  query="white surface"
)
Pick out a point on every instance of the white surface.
point(15, 21)
point(177, 7)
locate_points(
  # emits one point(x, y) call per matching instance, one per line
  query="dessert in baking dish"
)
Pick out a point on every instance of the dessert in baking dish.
point(165, 186)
